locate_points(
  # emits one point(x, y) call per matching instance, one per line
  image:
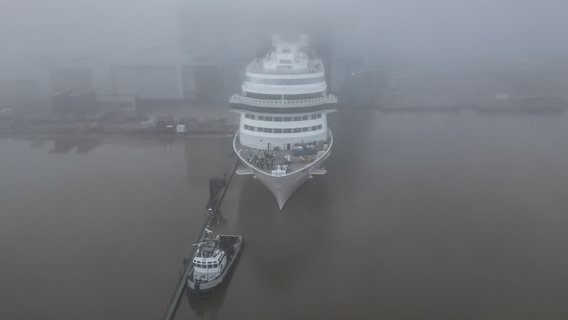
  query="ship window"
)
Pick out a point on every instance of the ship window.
point(260, 117)
point(313, 116)
point(304, 117)
point(285, 61)
point(319, 126)
point(286, 50)
point(297, 118)
point(252, 116)
point(287, 130)
point(297, 129)
point(247, 115)
point(314, 128)
point(305, 129)
point(246, 126)
point(268, 118)
point(277, 119)
point(268, 130)
point(251, 128)
point(319, 115)
point(287, 118)
point(283, 82)
point(277, 130)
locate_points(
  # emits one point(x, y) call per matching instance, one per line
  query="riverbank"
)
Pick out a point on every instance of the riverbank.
point(205, 119)
point(499, 105)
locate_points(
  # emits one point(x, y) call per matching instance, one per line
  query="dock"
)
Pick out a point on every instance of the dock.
point(217, 189)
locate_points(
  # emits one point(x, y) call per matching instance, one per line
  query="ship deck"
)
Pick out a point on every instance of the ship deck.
point(269, 161)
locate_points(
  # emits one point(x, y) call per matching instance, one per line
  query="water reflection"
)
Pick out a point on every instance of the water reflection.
point(206, 157)
point(168, 143)
point(285, 245)
point(65, 144)
point(37, 144)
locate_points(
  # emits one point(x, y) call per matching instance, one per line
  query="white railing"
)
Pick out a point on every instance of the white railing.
point(237, 98)
point(257, 67)
point(239, 148)
point(289, 88)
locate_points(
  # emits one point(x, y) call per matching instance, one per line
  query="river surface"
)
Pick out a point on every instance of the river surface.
point(447, 216)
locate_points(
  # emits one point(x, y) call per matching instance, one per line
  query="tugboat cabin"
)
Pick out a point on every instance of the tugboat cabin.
point(209, 262)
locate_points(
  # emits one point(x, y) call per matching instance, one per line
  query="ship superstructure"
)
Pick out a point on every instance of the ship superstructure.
point(283, 138)
point(213, 261)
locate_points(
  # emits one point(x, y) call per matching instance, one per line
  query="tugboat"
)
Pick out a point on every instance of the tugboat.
point(213, 262)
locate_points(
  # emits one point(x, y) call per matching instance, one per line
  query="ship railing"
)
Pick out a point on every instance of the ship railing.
point(237, 98)
point(248, 86)
point(241, 150)
point(257, 67)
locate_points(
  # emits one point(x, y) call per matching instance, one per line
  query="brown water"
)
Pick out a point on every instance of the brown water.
point(448, 216)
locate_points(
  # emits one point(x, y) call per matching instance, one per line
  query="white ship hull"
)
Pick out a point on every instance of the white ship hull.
point(283, 186)
point(283, 136)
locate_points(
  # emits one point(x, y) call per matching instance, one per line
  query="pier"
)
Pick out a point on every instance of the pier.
point(217, 189)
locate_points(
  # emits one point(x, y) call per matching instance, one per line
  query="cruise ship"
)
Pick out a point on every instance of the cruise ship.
point(283, 137)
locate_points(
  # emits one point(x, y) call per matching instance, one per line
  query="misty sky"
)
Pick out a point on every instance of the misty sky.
point(45, 28)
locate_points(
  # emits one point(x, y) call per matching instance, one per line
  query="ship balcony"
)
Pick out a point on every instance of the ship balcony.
point(258, 67)
point(281, 103)
point(317, 87)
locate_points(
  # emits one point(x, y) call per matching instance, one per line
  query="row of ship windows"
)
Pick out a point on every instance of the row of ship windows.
point(286, 81)
point(303, 96)
point(285, 119)
point(281, 130)
point(206, 266)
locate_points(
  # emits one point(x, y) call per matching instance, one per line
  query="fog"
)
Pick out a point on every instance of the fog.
point(32, 30)
point(445, 192)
